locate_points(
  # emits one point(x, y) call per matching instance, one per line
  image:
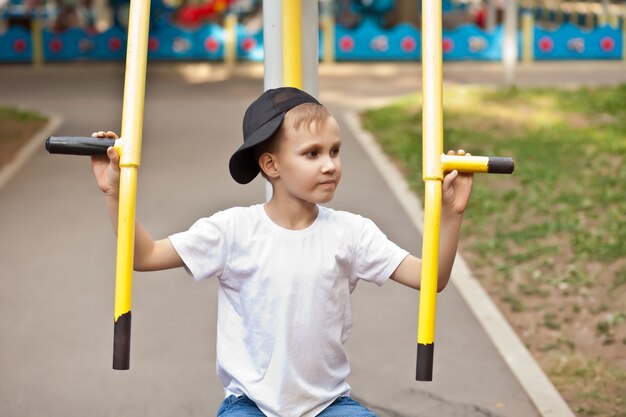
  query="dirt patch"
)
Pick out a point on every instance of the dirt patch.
point(569, 315)
point(16, 128)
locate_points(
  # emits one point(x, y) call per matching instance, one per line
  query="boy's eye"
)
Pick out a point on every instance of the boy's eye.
point(334, 152)
point(312, 154)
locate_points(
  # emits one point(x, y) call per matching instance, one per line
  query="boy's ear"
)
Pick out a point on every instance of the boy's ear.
point(267, 163)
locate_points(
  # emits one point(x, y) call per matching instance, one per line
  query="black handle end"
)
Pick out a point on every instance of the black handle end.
point(424, 368)
point(499, 165)
point(121, 342)
point(77, 145)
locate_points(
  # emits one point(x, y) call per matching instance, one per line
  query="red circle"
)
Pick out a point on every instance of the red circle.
point(346, 43)
point(19, 46)
point(546, 44)
point(248, 43)
point(211, 44)
point(115, 44)
point(408, 44)
point(55, 45)
point(447, 45)
point(607, 44)
point(153, 44)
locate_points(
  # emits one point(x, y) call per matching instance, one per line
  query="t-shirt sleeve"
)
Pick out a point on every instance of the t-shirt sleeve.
point(203, 248)
point(376, 256)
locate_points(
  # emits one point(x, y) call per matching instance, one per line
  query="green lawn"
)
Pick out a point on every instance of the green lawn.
point(549, 241)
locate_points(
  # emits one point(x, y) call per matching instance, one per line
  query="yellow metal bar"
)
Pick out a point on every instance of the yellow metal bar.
point(432, 149)
point(130, 159)
point(432, 95)
point(36, 37)
point(125, 237)
point(292, 43)
point(435, 164)
point(430, 257)
point(528, 25)
point(328, 28)
point(624, 35)
point(465, 163)
point(230, 39)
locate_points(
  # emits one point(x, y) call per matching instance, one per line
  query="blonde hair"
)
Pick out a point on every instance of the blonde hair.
point(305, 115)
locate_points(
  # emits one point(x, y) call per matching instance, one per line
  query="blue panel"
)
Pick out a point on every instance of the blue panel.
point(469, 42)
point(62, 46)
point(210, 39)
point(369, 41)
point(249, 45)
point(366, 42)
point(171, 42)
point(572, 42)
point(15, 45)
point(110, 45)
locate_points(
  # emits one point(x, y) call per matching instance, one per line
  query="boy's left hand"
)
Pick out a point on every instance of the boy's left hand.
point(456, 188)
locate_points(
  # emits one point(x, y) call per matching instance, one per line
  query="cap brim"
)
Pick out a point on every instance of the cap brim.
point(243, 166)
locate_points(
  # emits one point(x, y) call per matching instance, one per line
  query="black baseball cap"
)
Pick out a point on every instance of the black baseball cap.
point(263, 117)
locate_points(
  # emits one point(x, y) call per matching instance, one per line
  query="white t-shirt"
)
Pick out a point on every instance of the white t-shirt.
point(284, 308)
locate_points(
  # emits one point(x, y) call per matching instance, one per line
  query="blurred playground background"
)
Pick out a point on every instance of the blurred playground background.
point(548, 243)
point(69, 30)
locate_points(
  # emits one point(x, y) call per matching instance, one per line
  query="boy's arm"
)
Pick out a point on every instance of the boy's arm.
point(456, 190)
point(150, 255)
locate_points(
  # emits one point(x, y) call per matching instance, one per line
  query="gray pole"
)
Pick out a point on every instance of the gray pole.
point(272, 54)
point(491, 15)
point(509, 46)
point(272, 44)
point(310, 54)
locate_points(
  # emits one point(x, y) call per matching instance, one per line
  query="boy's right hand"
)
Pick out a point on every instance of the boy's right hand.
point(106, 168)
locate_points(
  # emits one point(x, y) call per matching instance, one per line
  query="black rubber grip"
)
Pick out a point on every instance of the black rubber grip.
point(424, 368)
point(121, 342)
point(77, 145)
point(498, 165)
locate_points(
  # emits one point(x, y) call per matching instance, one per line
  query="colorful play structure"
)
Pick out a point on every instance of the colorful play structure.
point(225, 30)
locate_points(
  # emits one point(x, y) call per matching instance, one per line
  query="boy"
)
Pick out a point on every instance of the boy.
point(286, 268)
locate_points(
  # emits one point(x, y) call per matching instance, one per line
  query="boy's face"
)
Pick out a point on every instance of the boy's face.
point(308, 162)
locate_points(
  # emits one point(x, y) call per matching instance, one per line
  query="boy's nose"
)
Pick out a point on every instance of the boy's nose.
point(328, 165)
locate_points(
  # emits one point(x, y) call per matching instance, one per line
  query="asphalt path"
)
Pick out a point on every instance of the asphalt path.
point(57, 255)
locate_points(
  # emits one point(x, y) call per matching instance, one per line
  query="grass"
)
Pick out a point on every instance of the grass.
point(549, 241)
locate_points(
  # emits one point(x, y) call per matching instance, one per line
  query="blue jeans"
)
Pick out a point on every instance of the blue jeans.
point(245, 407)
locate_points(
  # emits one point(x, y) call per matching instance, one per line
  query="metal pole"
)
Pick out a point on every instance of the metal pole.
point(432, 148)
point(272, 54)
point(292, 43)
point(328, 29)
point(509, 47)
point(528, 37)
point(491, 15)
point(624, 35)
point(132, 125)
point(230, 41)
point(272, 44)
point(435, 163)
point(36, 36)
point(310, 48)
